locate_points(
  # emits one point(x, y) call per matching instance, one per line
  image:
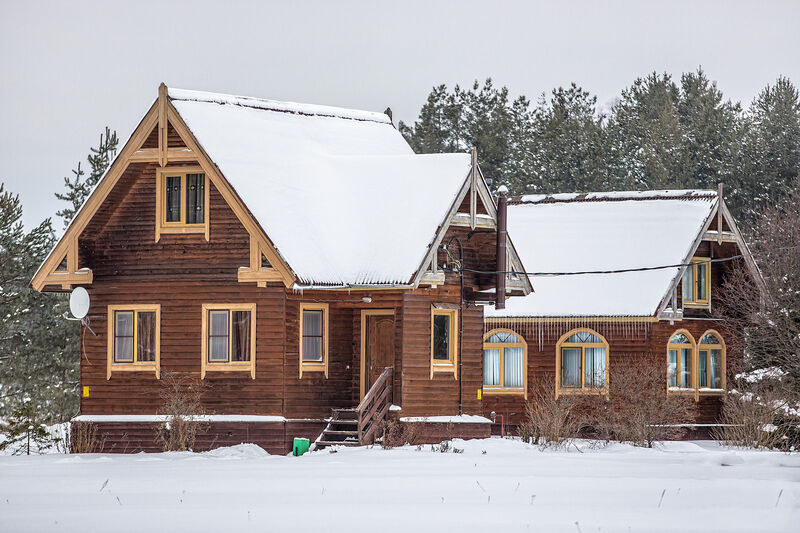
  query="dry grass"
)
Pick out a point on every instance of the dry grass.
point(396, 433)
point(181, 396)
point(83, 438)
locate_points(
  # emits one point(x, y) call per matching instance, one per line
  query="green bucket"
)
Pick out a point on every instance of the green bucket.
point(300, 446)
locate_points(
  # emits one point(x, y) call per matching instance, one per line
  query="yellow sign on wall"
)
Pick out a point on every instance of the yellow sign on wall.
point(479, 393)
point(86, 392)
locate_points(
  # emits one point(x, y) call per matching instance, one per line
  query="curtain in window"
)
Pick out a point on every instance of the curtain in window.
point(715, 369)
point(240, 329)
point(686, 368)
point(672, 368)
point(570, 367)
point(312, 336)
point(595, 367)
point(514, 371)
point(123, 336)
point(687, 285)
point(173, 199)
point(146, 336)
point(491, 367)
point(195, 198)
point(702, 373)
point(218, 336)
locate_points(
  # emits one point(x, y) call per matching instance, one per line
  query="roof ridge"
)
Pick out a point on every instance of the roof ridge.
point(613, 196)
point(265, 104)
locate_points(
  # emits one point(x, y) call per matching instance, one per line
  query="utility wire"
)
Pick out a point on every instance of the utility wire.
point(617, 271)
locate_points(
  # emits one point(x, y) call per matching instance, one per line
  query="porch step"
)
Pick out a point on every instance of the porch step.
point(348, 433)
point(325, 443)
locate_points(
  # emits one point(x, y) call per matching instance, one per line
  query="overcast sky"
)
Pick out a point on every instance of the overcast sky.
point(71, 68)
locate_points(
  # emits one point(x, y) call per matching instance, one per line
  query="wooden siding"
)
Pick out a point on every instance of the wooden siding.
point(643, 342)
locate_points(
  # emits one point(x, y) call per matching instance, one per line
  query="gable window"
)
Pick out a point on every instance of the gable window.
point(444, 338)
point(504, 362)
point(229, 338)
point(679, 361)
point(133, 338)
point(582, 362)
point(182, 197)
point(696, 283)
point(711, 362)
point(313, 338)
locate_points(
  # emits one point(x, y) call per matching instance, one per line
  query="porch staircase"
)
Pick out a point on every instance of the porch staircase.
point(361, 425)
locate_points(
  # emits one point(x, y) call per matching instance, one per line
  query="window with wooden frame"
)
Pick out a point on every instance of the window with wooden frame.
point(680, 361)
point(444, 339)
point(582, 363)
point(505, 357)
point(134, 342)
point(182, 198)
point(313, 338)
point(711, 362)
point(696, 283)
point(229, 338)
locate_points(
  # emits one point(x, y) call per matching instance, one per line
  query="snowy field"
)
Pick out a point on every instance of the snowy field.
point(494, 485)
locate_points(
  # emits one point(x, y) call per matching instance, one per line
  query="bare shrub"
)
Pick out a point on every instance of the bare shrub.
point(639, 410)
point(83, 438)
point(181, 395)
point(757, 414)
point(395, 433)
point(550, 421)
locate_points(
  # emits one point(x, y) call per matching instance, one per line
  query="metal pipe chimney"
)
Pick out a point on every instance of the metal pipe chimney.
point(502, 225)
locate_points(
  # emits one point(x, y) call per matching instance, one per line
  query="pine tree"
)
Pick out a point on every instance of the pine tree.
point(770, 153)
point(38, 348)
point(78, 188)
point(25, 431)
point(568, 144)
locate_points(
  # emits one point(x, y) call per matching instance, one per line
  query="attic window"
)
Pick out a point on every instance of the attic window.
point(181, 201)
point(696, 283)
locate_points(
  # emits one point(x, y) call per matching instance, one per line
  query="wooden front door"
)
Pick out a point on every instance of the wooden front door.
point(377, 345)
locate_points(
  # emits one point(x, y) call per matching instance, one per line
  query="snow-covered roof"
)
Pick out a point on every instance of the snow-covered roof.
point(339, 192)
point(602, 231)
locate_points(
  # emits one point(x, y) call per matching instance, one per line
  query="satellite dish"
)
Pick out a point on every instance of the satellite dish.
point(79, 302)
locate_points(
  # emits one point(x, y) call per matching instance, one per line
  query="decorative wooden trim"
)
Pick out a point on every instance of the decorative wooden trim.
point(364, 314)
point(230, 366)
point(153, 155)
point(451, 365)
point(314, 366)
point(164, 227)
point(603, 391)
point(569, 319)
point(162, 125)
point(482, 192)
point(692, 388)
point(146, 366)
point(233, 200)
point(501, 388)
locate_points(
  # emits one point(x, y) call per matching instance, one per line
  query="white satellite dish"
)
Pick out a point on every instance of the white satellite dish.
point(79, 302)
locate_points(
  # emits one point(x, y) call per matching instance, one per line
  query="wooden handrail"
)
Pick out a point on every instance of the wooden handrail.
point(374, 407)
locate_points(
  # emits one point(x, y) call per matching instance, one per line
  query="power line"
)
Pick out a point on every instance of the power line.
point(616, 271)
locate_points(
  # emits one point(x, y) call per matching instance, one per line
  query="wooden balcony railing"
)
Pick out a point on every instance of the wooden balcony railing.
point(374, 407)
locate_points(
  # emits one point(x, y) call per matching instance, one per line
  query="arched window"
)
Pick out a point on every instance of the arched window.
point(679, 360)
point(505, 356)
point(711, 361)
point(582, 362)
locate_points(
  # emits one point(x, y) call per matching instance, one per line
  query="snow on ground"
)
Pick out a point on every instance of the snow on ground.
point(499, 484)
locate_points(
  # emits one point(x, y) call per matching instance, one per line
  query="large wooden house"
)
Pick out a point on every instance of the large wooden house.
point(619, 278)
point(290, 256)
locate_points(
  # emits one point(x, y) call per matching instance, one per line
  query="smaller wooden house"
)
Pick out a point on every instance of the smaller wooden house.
point(289, 256)
point(619, 278)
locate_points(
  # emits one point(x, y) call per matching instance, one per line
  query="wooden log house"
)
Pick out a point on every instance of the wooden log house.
point(575, 329)
point(298, 259)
